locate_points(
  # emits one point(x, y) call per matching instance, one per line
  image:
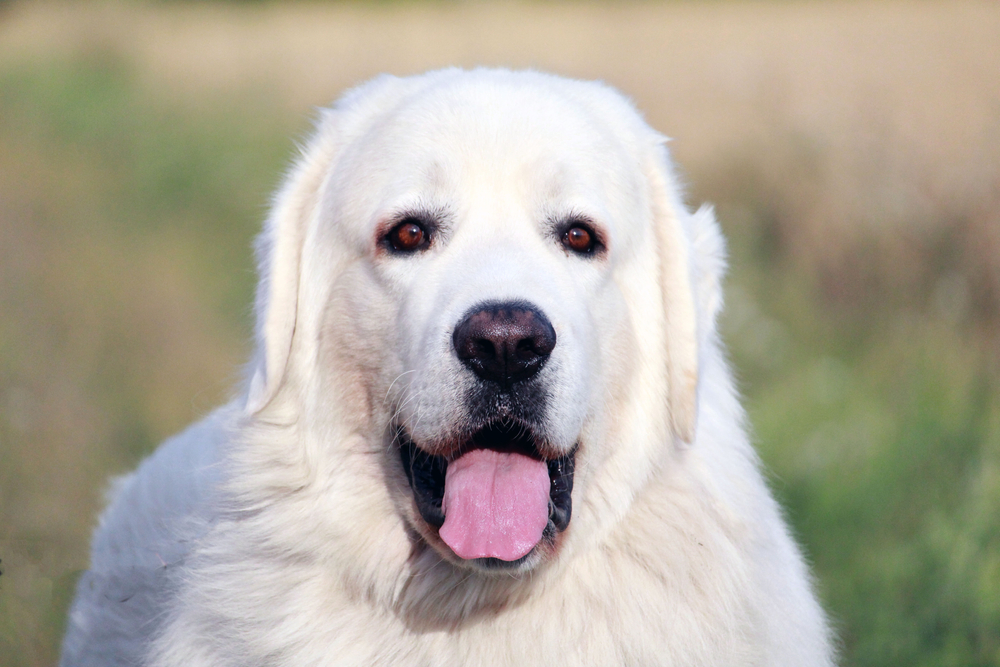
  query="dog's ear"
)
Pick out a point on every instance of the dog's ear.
point(708, 268)
point(295, 207)
point(679, 302)
point(279, 256)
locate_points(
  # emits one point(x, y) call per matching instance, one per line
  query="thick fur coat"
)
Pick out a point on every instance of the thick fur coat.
point(288, 528)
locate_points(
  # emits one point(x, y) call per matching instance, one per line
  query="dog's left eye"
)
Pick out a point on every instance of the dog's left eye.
point(579, 238)
point(408, 236)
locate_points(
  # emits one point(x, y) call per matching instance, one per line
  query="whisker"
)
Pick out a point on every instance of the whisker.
point(391, 384)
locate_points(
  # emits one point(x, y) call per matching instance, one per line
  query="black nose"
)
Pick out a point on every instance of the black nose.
point(504, 342)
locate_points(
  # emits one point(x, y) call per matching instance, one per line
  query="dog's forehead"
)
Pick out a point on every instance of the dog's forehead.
point(503, 116)
point(505, 141)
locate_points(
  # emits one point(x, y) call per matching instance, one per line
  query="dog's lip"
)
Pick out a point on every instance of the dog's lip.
point(425, 471)
point(497, 436)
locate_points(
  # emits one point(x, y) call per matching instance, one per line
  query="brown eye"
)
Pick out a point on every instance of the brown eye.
point(408, 236)
point(579, 239)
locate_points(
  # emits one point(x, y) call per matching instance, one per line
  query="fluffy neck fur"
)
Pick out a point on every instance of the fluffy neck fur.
point(649, 572)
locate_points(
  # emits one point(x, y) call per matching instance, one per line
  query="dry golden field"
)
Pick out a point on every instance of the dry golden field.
point(853, 150)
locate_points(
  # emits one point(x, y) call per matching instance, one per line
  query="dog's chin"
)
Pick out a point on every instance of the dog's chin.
point(542, 552)
point(427, 473)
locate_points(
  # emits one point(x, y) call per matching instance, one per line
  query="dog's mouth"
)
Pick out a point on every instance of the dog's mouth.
point(496, 497)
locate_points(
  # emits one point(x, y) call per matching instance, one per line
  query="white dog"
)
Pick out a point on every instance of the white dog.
point(489, 420)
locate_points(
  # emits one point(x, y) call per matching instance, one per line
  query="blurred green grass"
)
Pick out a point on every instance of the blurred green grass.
point(878, 415)
point(869, 359)
point(125, 274)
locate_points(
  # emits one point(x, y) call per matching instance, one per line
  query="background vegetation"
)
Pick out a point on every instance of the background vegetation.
point(853, 151)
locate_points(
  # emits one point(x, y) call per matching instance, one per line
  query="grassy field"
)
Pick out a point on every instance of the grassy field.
point(853, 151)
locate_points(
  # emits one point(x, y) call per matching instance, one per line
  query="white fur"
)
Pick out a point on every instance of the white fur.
point(282, 531)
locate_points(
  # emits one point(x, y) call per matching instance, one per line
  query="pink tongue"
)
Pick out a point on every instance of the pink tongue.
point(496, 504)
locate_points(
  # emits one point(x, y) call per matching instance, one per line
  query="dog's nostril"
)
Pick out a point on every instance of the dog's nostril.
point(483, 348)
point(504, 342)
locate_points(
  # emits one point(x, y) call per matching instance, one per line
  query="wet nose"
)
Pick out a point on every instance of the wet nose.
point(504, 342)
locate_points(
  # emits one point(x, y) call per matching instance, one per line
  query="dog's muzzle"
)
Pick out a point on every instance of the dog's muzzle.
point(496, 493)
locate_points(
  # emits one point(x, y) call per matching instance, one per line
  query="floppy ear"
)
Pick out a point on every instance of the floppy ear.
point(676, 285)
point(708, 268)
point(279, 255)
point(297, 203)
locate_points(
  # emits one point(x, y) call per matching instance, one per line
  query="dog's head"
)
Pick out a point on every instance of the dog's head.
point(484, 282)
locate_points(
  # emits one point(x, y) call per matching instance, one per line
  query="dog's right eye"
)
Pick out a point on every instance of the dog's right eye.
point(580, 238)
point(408, 236)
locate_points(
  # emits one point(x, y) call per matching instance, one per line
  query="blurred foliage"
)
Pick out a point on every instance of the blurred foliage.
point(877, 411)
point(869, 361)
point(125, 273)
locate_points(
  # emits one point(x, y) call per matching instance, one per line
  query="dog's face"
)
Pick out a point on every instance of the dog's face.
point(497, 255)
point(480, 245)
